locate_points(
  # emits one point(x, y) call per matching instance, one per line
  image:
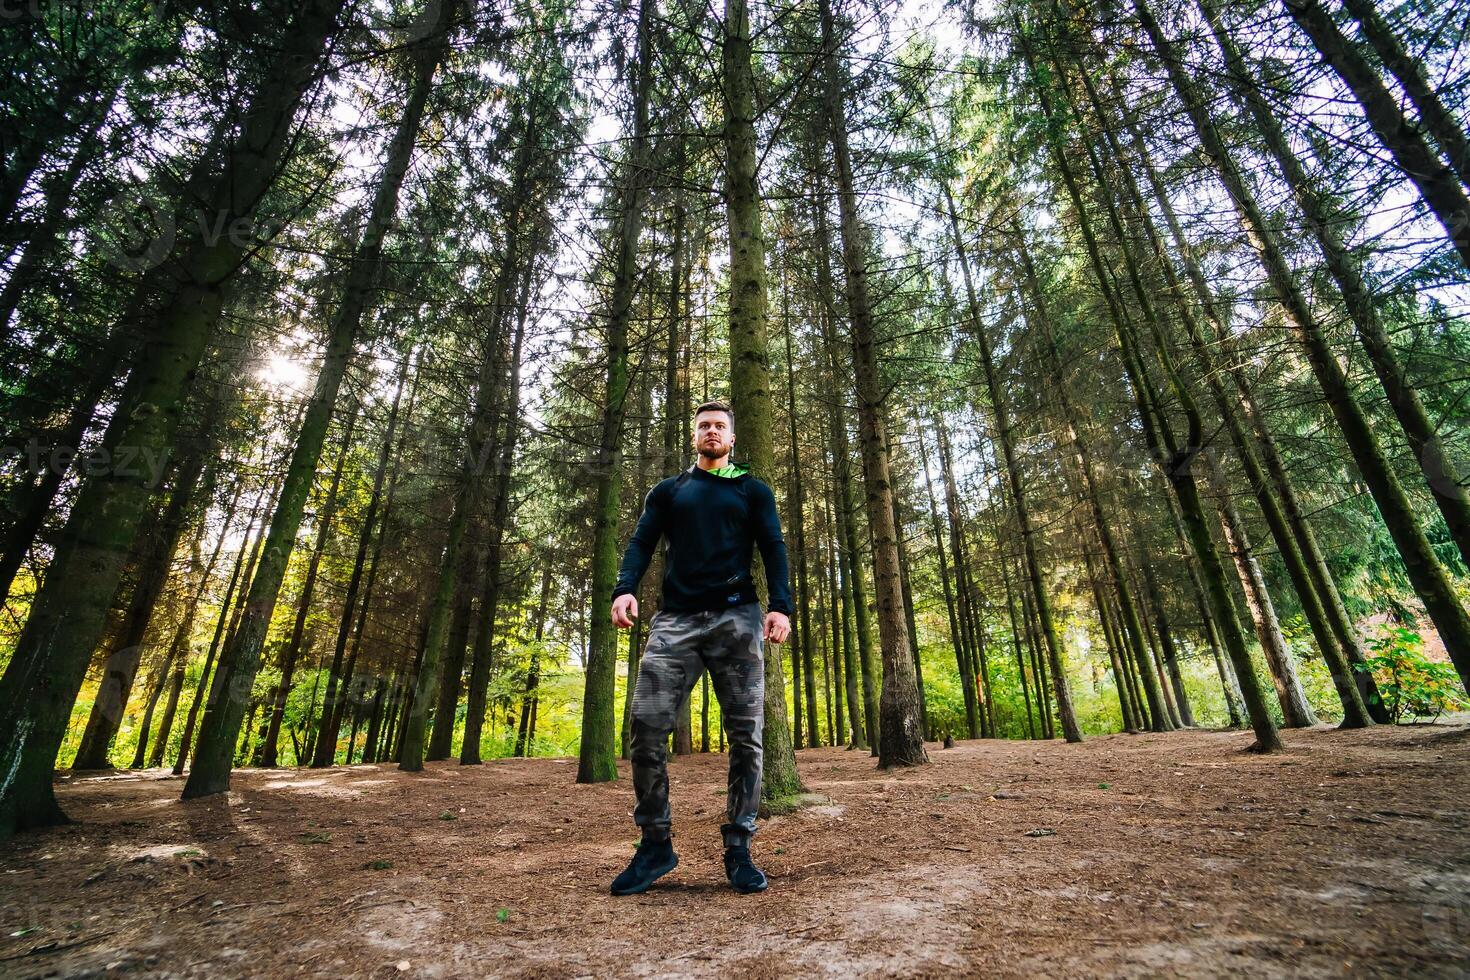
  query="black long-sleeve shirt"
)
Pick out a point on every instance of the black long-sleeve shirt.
point(711, 524)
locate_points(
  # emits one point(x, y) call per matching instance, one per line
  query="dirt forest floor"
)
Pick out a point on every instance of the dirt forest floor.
point(1152, 855)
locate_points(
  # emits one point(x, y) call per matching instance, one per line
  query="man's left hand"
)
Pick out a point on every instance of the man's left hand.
point(778, 627)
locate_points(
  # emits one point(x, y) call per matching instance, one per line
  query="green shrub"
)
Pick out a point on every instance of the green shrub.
point(1410, 684)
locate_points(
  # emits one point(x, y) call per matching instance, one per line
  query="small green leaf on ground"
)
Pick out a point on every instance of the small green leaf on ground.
point(22, 932)
point(780, 850)
point(448, 815)
point(317, 838)
point(188, 854)
point(378, 865)
point(503, 915)
point(1104, 785)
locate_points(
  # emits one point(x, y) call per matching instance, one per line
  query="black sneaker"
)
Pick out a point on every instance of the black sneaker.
point(744, 876)
point(655, 858)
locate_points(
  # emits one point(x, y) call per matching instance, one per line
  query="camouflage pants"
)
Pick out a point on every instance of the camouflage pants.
point(681, 646)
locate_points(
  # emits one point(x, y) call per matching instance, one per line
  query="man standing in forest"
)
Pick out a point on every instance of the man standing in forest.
point(711, 515)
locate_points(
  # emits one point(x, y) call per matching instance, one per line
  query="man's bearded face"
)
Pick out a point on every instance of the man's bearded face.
point(713, 434)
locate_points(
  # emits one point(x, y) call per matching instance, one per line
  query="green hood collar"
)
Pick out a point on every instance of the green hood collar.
point(731, 471)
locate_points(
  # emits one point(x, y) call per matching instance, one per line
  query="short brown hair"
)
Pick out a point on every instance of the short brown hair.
point(716, 406)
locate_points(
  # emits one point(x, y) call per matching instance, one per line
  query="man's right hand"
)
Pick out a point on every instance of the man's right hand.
point(624, 610)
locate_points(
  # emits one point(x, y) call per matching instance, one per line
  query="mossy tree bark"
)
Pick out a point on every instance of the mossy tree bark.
point(597, 755)
point(750, 382)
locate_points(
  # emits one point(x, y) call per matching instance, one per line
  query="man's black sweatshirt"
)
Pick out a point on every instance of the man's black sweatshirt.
point(711, 523)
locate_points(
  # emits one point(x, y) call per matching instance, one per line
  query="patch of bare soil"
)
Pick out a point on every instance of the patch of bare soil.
point(1143, 855)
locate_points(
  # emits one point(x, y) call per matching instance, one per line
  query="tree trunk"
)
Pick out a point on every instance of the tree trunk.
point(979, 666)
point(480, 661)
point(852, 603)
point(375, 722)
point(1437, 183)
point(1295, 710)
point(1172, 459)
point(899, 737)
point(451, 669)
point(863, 715)
point(802, 649)
point(156, 685)
point(324, 743)
point(750, 385)
point(178, 651)
point(69, 612)
point(1355, 714)
point(33, 502)
point(597, 761)
point(956, 632)
point(954, 511)
point(308, 586)
point(1016, 641)
point(1048, 724)
point(127, 649)
point(1001, 408)
point(1424, 569)
point(1317, 583)
point(1155, 663)
point(825, 650)
point(906, 589)
point(1433, 115)
point(1439, 470)
point(1166, 641)
point(1132, 626)
point(1121, 679)
point(533, 676)
point(43, 238)
point(241, 658)
point(229, 607)
point(837, 616)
